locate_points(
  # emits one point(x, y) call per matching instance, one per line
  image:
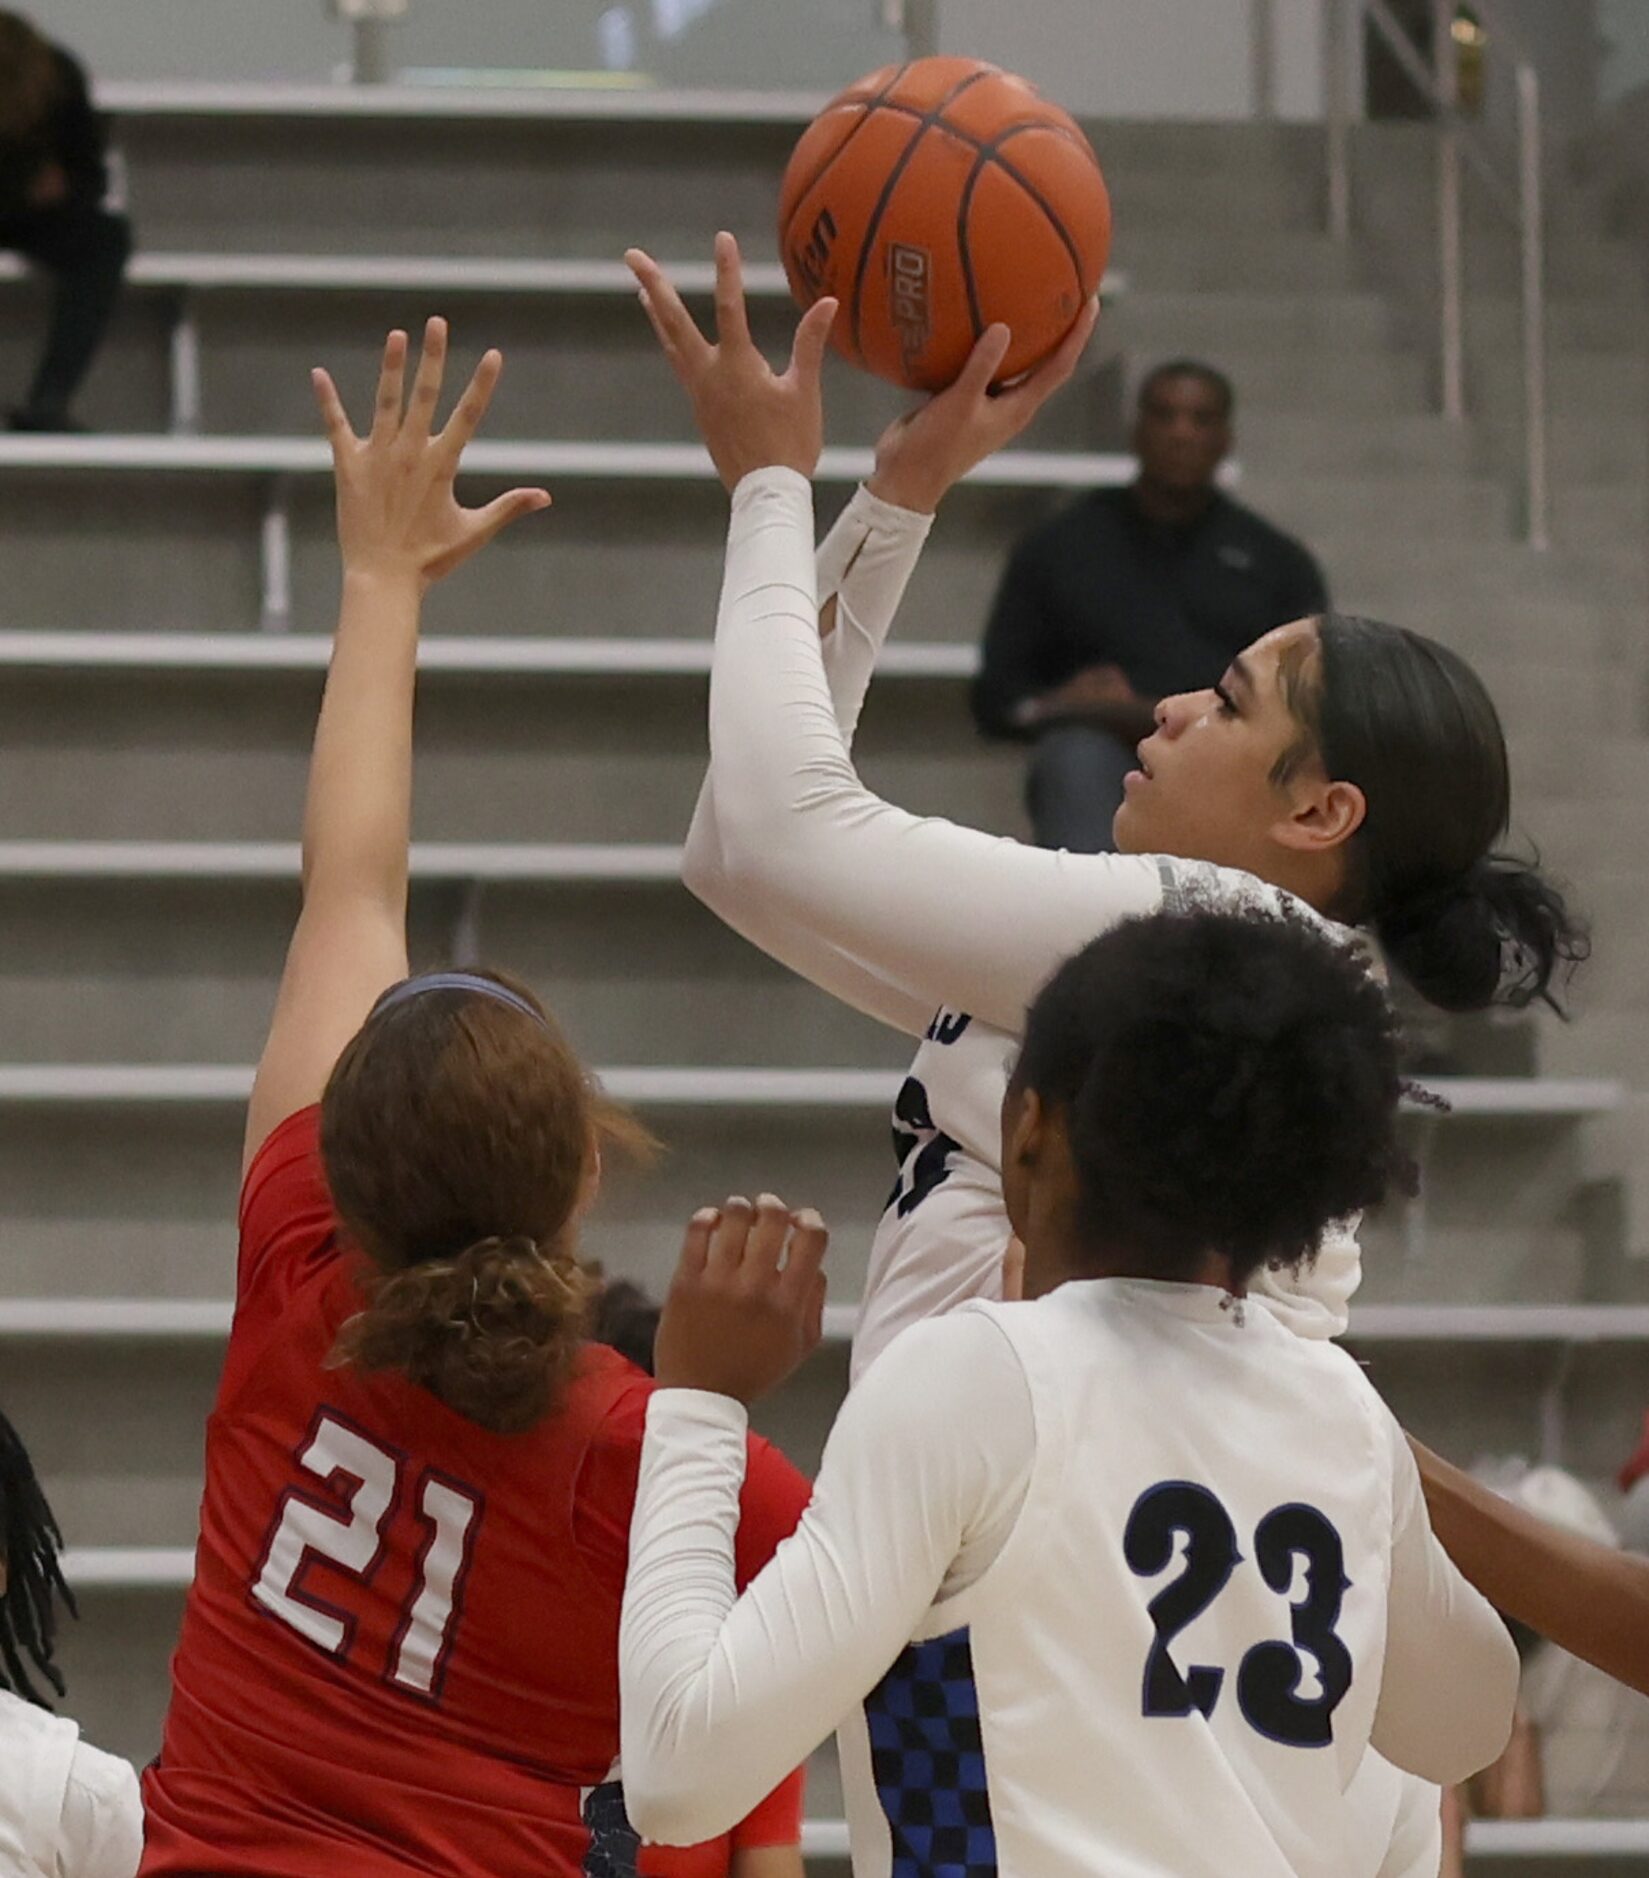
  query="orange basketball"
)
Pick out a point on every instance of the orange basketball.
point(933, 199)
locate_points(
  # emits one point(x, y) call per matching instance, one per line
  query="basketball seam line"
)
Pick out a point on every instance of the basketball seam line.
point(924, 125)
point(1075, 138)
point(986, 154)
point(865, 110)
point(1030, 189)
point(992, 149)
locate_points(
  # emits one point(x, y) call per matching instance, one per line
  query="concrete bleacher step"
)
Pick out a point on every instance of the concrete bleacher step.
point(1219, 325)
point(1389, 444)
point(180, 756)
point(1411, 506)
point(612, 557)
point(1318, 381)
point(622, 963)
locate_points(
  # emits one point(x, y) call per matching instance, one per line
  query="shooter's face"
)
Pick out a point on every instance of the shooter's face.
point(1223, 775)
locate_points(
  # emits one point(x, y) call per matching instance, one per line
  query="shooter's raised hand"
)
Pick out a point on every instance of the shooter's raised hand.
point(750, 416)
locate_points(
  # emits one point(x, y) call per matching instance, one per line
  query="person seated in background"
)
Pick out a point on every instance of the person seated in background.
point(54, 189)
point(626, 1320)
point(1128, 596)
point(1580, 1744)
point(67, 1810)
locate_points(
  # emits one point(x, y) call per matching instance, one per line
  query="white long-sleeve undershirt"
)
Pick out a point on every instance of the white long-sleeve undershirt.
point(864, 564)
point(923, 1479)
point(899, 913)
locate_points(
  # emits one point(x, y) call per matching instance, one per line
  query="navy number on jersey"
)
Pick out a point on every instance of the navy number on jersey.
point(922, 1150)
point(1173, 1510)
point(1268, 1683)
point(1270, 1675)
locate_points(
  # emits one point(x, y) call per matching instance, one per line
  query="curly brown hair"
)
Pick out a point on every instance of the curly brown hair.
point(460, 1136)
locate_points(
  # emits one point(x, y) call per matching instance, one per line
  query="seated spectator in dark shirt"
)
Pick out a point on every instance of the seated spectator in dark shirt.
point(1129, 596)
point(54, 179)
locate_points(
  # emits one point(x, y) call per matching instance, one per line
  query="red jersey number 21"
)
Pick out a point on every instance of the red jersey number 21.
point(369, 1479)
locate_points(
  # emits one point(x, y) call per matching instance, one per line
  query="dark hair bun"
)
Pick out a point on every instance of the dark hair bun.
point(1500, 933)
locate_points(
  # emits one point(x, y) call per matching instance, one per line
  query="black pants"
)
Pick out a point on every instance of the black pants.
point(85, 249)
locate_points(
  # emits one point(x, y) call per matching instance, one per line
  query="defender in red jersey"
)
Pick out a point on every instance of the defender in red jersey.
point(399, 1654)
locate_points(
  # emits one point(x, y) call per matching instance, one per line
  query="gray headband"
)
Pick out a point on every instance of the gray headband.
point(457, 981)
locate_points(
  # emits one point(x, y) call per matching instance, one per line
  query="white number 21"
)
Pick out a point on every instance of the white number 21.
point(354, 1542)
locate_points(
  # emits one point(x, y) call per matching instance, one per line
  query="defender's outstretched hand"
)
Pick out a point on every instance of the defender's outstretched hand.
point(398, 513)
point(750, 416)
point(746, 1306)
point(923, 453)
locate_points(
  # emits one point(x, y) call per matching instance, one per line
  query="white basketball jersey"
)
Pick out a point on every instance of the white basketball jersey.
point(1172, 1667)
point(942, 1237)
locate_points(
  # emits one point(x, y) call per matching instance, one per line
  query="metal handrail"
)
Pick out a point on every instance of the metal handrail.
point(1520, 200)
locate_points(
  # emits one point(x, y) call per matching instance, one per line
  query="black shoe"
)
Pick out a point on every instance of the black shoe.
point(59, 422)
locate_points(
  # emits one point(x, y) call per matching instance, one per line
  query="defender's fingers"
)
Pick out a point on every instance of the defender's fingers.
point(426, 387)
point(695, 1243)
point(471, 408)
point(727, 1241)
point(732, 316)
point(809, 1242)
point(666, 309)
point(765, 1247)
point(333, 415)
point(507, 508)
point(386, 412)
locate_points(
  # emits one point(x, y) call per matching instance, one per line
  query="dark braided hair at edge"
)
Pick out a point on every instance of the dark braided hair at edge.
point(30, 1543)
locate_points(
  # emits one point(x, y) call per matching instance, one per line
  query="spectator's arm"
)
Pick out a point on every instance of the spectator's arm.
point(1589, 1599)
point(1020, 659)
point(80, 139)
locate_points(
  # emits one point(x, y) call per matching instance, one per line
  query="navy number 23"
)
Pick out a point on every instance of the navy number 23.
point(1270, 1674)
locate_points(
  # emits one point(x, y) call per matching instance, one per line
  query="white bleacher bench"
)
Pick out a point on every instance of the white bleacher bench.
point(566, 97)
point(186, 277)
point(588, 461)
point(466, 655)
point(1576, 1839)
point(186, 1320)
point(206, 1320)
point(1507, 1098)
point(476, 862)
point(276, 461)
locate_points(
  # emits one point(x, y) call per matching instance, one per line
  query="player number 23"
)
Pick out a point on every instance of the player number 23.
point(367, 1480)
point(1270, 1675)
